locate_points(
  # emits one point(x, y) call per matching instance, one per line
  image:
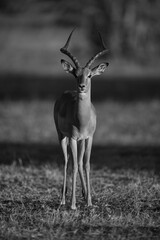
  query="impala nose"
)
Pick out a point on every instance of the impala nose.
point(81, 87)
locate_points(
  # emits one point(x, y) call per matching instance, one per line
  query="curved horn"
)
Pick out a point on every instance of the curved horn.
point(65, 51)
point(91, 61)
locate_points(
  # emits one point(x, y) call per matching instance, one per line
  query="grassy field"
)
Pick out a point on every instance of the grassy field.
point(125, 169)
point(126, 205)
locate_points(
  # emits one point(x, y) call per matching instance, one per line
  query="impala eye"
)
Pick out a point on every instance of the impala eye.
point(89, 76)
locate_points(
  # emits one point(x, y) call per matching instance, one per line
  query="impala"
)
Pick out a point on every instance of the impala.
point(75, 120)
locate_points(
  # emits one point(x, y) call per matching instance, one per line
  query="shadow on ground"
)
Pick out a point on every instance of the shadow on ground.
point(112, 157)
point(26, 86)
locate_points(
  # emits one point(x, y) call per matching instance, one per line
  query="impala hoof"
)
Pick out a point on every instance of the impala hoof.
point(89, 203)
point(62, 203)
point(73, 208)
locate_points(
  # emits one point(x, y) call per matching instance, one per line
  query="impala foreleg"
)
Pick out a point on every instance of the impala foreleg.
point(63, 143)
point(81, 148)
point(73, 146)
point(87, 168)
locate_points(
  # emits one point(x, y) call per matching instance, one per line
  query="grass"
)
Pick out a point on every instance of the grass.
point(124, 174)
point(126, 205)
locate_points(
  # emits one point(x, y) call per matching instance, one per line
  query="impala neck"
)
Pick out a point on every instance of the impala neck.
point(83, 107)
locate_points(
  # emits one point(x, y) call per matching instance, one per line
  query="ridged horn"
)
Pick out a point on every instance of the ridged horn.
point(91, 61)
point(66, 52)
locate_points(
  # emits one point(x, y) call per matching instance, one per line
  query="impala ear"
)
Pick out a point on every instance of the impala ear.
point(67, 66)
point(99, 69)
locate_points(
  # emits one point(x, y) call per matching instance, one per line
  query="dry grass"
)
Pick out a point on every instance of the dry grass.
point(126, 205)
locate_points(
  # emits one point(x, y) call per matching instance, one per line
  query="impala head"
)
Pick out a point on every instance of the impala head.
point(83, 74)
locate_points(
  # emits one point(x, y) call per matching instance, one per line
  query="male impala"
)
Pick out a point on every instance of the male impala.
point(75, 120)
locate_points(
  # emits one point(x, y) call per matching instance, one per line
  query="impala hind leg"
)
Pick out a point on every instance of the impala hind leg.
point(63, 143)
point(81, 148)
point(87, 168)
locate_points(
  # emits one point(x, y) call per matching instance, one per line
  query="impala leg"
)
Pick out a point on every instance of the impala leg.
point(81, 147)
point(87, 168)
point(63, 143)
point(73, 146)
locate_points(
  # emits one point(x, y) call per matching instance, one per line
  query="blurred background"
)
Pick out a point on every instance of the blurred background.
point(32, 31)
point(127, 96)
